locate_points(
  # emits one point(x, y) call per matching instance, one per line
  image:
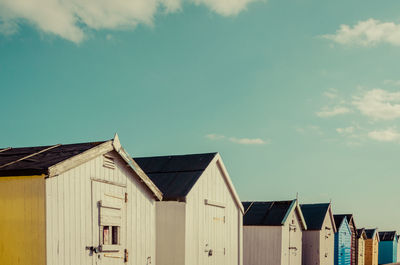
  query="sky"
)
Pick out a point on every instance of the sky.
point(299, 97)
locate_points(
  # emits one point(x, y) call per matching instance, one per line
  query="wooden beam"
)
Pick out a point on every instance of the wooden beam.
point(77, 160)
point(31, 155)
point(5, 149)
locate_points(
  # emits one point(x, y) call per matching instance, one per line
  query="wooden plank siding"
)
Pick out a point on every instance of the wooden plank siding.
point(360, 251)
point(343, 244)
point(371, 251)
point(22, 220)
point(353, 250)
point(212, 186)
point(69, 213)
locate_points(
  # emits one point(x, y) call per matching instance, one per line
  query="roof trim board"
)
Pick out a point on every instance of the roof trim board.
point(101, 149)
point(5, 149)
point(218, 159)
point(295, 206)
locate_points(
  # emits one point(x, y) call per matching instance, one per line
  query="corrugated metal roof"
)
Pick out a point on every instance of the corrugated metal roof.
point(175, 175)
point(314, 214)
point(387, 235)
point(36, 160)
point(265, 213)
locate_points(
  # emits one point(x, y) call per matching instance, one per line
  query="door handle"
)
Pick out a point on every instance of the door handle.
point(93, 249)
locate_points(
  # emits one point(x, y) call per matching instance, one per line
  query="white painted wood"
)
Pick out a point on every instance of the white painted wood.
point(187, 231)
point(171, 219)
point(280, 245)
point(318, 245)
point(69, 214)
point(262, 245)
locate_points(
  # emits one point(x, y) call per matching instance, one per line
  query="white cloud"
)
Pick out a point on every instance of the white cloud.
point(392, 82)
point(213, 136)
point(225, 7)
point(367, 33)
point(331, 93)
point(245, 141)
point(388, 135)
point(347, 130)
point(379, 104)
point(338, 110)
point(248, 141)
point(73, 18)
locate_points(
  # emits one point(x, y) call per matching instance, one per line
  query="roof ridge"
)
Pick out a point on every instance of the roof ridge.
point(159, 156)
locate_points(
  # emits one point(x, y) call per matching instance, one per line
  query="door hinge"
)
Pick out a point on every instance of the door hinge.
point(126, 197)
point(126, 255)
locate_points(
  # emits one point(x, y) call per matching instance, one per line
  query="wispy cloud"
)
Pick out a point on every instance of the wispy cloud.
point(213, 136)
point(331, 93)
point(248, 141)
point(392, 82)
point(326, 112)
point(72, 19)
point(244, 141)
point(367, 33)
point(379, 104)
point(346, 130)
point(388, 135)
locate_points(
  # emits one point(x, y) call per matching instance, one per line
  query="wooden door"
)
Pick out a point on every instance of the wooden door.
point(294, 243)
point(215, 247)
point(109, 224)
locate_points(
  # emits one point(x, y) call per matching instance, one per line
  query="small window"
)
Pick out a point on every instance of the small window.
point(111, 235)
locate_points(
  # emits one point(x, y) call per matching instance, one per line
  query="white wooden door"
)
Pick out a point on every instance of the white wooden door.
point(294, 247)
point(109, 224)
point(215, 245)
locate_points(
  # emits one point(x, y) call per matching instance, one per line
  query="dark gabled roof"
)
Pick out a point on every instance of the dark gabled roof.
point(370, 233)
point(349, 218)
point(360, 232)
point(37, 160)
point(271, 213)
point(387, 235)
point(339, 218)
point(314, 214)
point(175, 175)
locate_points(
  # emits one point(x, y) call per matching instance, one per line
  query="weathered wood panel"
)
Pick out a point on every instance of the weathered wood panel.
point(69, 213)
point(360, 251)
point(199, 216)
point(262, 245)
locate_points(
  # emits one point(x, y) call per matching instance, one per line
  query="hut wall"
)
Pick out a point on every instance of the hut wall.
point(221, 231)
point(371, 251)
point(360, 251)
point(327, 242)
point(292, 240)
point(22, 220)
point(343, 245)
point(387, 252)
point(311, 247)
point(69, 214)
point(170, 233)
point(353, 257)
point(262, 245)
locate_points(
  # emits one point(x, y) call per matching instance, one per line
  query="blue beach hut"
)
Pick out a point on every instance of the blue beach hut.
point(387, 247)
point(342, 254)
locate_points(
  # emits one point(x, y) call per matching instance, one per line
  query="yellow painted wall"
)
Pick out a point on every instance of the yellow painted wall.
point(22, 220)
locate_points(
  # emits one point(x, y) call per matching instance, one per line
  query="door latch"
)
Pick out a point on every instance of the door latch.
point(93, 249)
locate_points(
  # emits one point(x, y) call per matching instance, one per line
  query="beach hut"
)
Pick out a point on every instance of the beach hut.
point(319, 238)
point(86, 203)
point(353, 229)
point(272, 233)
point(398, 248)
point(199, 221)
point(387, 247)
point(342, 241)
point(361, 237)
point(371, 247)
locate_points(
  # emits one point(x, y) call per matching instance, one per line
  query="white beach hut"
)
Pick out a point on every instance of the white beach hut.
point(272, 233)
point(87, 203)
point(199, 221)
point(319, 239)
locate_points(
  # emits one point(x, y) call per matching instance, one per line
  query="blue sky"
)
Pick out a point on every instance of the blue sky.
point(297, 96)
